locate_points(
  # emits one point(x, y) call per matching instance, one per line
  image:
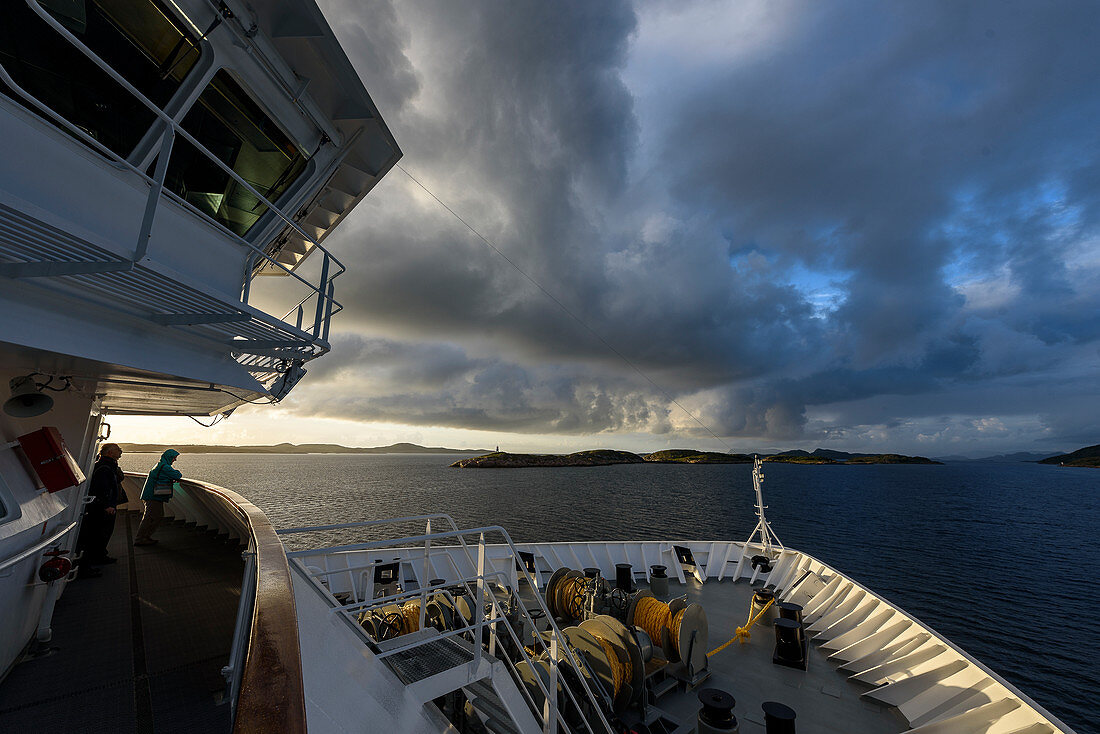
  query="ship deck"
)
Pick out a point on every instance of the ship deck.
point(823, 698)
point(139, 649)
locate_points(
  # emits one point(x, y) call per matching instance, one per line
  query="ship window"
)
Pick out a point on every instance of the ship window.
point(232, 126)
point(138, 38)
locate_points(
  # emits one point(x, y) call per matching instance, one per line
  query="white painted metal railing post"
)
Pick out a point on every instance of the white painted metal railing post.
point(426, 572)
point(550, 713)
point(478, 611)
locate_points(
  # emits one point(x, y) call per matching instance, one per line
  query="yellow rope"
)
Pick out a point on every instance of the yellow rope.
point(571, 595)
point(742, 633)
point(654, 616)
point(674, 629)
point(618, 671)
point(410, 614)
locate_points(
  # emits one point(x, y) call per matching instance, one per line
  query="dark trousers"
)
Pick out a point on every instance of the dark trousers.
point(95, 533)
point(150, 519)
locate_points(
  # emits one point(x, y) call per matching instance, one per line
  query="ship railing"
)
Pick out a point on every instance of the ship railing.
point(484, 586)
point(331, 267)
point(264, 661)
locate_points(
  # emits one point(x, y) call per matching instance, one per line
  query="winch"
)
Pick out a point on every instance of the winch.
point(675, 632)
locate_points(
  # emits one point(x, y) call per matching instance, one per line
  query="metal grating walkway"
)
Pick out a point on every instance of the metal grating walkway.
point(31, 248)
point(139, 649)
point(428, 659)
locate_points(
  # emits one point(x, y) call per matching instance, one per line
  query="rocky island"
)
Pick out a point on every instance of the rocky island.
point(504, 460)
point(606, 457)
point(1088, 456)
point(826, 456)
point(692, 456)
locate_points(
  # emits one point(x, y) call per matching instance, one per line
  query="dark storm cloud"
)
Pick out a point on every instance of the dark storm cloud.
point(438, 384)
point(936, 163)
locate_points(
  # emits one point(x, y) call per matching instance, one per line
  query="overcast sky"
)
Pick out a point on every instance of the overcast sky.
point(855, 225)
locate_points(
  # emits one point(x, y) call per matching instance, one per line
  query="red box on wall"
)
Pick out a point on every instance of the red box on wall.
point(49, 456)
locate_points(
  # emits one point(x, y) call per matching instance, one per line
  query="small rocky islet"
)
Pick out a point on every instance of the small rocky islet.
point(606, 457)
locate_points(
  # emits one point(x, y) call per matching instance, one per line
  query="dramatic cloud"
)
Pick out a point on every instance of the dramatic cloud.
point(853, 224)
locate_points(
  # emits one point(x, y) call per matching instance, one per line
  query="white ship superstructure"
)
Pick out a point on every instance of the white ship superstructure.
point(159, 156)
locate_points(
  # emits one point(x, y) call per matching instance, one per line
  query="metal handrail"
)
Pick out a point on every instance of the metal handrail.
point(321, 290)
point(348, 609)
point(37, 548)
point(42, 13)
point(557, 638)
point(361, 606)
point(271, 691)
point(362, 524)
point(118, 162)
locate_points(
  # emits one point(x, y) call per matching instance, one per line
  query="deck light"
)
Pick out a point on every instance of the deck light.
point(27, 399)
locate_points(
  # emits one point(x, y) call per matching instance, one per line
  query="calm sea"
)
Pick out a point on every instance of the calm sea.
point(1002, 559)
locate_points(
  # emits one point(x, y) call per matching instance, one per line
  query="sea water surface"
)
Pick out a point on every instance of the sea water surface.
point(1002, 559)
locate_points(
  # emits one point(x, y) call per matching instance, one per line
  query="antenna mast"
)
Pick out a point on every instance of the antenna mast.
point(767, 535)
point(768, 540)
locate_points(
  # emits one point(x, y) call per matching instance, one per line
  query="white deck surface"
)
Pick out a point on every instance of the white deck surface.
point(825, 701)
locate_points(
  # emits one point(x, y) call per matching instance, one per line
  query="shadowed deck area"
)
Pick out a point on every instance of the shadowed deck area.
point(141, 648)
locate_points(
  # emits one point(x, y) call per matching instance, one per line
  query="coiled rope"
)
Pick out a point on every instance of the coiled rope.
point(618, 670)
point(654, 616)
point(571, 594)
point(410, 613)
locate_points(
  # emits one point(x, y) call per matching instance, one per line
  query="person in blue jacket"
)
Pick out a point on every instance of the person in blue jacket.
point(162, 474)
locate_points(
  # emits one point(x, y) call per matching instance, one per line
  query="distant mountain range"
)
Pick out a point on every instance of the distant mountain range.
point(999, 458)
point(290, 448)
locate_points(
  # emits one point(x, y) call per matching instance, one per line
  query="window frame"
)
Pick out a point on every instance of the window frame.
point(259, 230)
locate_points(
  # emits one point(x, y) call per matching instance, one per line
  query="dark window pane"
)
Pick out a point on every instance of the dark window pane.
point(234, 128)
point(139, 39)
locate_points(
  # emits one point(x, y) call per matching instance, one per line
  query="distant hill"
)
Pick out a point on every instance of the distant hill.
point(603, 457)
point(828, 456)
point(503, 460)
point(693, 456)
point(1088, 456)
point(1013, 458)
point(290, 448)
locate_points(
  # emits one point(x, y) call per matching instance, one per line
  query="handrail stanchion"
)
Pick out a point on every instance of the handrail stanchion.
point(249, 268)
point(321, 297)
point(328, 307)
point(154, 193)
point(479, 609)
point(426, 573)
point(551, 713)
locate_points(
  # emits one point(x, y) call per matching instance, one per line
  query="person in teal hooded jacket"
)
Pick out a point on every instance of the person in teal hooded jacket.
point(154, 504)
